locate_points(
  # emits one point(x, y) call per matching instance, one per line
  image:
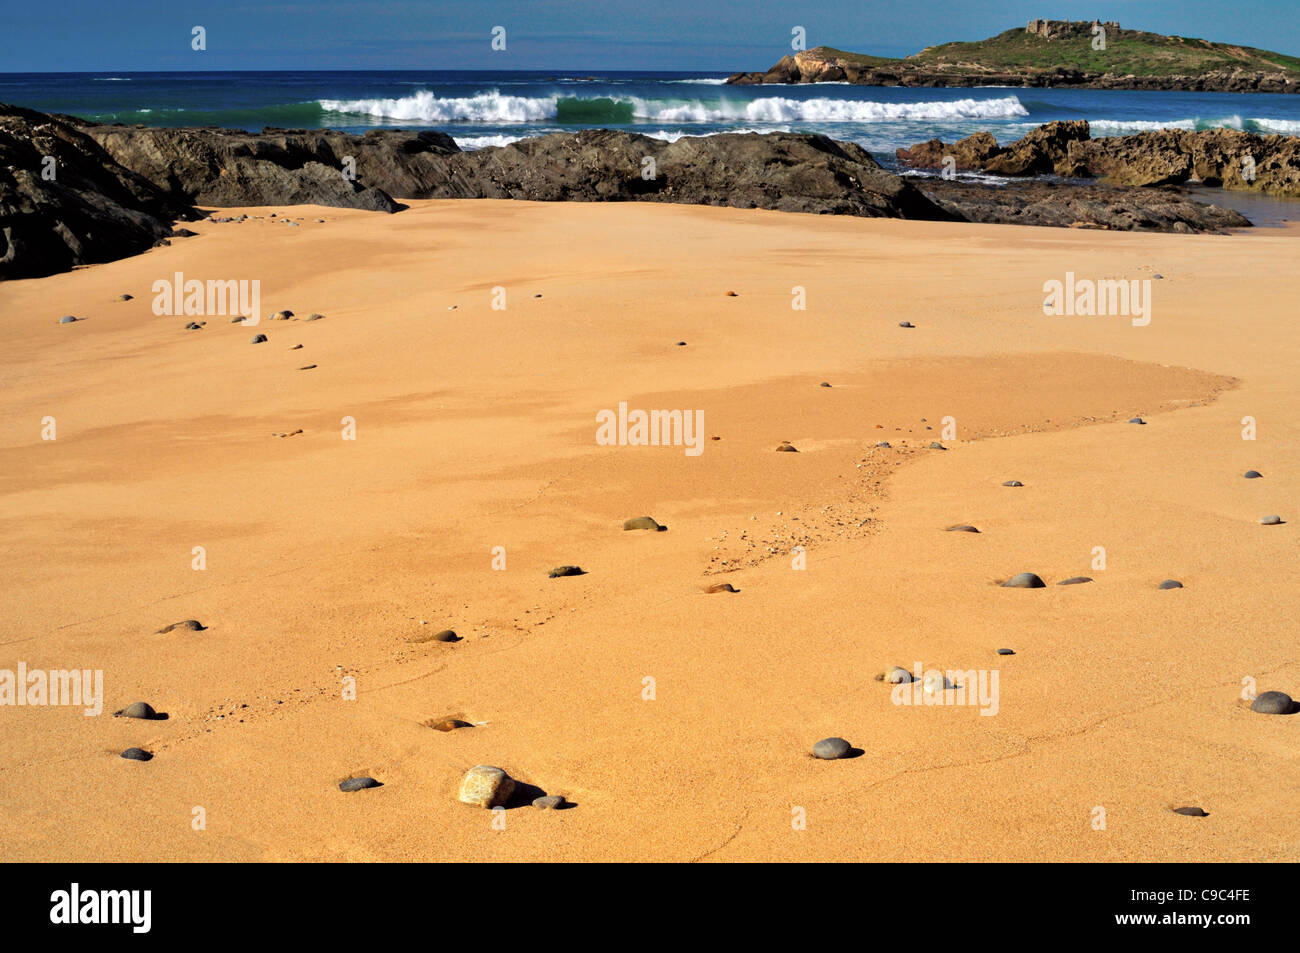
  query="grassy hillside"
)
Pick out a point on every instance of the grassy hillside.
point(1127, 52)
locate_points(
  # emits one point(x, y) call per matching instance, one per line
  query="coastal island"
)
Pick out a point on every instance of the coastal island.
point(1052, 53)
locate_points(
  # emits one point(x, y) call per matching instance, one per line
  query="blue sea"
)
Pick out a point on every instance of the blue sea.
point(493, 108)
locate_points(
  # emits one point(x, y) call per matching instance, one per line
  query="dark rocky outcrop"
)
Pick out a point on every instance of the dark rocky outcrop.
point(64, 202)
point(1037, 202)
point(1214, 157)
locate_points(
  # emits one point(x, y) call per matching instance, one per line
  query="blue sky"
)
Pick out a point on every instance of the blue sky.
point(96, 35)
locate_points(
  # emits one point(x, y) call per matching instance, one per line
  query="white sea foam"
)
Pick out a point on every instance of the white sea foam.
point(493, 106)
point(470, 143)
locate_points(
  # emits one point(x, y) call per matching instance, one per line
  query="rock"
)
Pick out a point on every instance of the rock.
point(1170, 584)
point(258, 339)
point(559, 571)
point(183, 233)
point(935, 445)
point(314, 317)
point(137, 710)
point(1013, 483)
point(1273, 703)
point(969, 154)
point(551, 802)
point(885, 444)
point(1136, 420)
point(307, 367)
point(643, 522)
point(1253, 475)
point(961, 528)
point(68, 319)
point(898, 676)
point(124, 297)
point(906, 324)
point(1006, 652)
point(786, 448)
point(137, 754)
point(825, 384)
point(443, 635)
point(358, 784)
point(239, 319)
point(486, 786)
point(1075, 581)
point(721, 587)
point(1024, 580)
point(935, 682)
point(190, 625)
point(1190, 812)
point(193, 326)
point(93, 211)
point(1271, 521)
point(829, 749)
point(450, 724)
point(281, 315)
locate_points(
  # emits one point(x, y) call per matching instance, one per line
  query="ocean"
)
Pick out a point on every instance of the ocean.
point(494, 108)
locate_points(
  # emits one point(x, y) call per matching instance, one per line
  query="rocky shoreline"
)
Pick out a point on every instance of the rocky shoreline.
point(73, 193)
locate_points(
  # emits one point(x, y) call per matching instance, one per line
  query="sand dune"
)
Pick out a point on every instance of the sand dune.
point(476, 429)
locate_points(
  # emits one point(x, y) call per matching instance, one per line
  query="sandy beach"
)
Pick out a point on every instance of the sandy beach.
point(678, 723)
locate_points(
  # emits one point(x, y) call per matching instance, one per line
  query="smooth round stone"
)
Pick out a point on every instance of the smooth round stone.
point(1013, 483)
point(137, 754)
point(1273, 703)
point(935, 682)
point(1271, 521)
point(559, 571)
point(829, 749)
point(721, 587)
point(825, 384)
point(313, 317)
point(643, 522)
point(906, 324)
point(1136, 420)
point(550, 802)
point(1006, 652)
point(282, 316)
point(124, 297)
point(258, 339)
point(1253, 475)
point(1024, 580)
point(898, 676)
point(68, 319)
point(189, 625)
point(786, 448)
point(486, 786)
point(446, 635)
point(961, 528)
point(137, 710)
point(1190, 812)
point(358, 784)
point(885, 444)
point(935, 445)
point(1158, 277)
point(1170, 584)
point(1075, 581)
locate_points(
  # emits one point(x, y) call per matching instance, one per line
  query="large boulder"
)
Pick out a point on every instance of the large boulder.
point(64, 202)
point(1040, 150)
point(970, 154)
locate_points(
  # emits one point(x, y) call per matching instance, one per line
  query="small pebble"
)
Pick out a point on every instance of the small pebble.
point(1136, 420)
point(136, 754)
point(1190, 812)
point(358, 784)
point(68, 319)
point(1075, 581)
point(486, 786)
point(238, 319)
point(313, 317)
point(906, 324)
point(193, 326)
point(307, 367)
point(559, 571)
point(1170, 584)
point(935, 445)
point(1013, 483)
point(1271, 521)
point(898, 676)
point(885, 444)
point(786, 448)
point(829, 749)
point(190, 625)
point(259, 339)
point(643, 522)
point(137, 710)
point(1273, 703)
point(721, 587)
point(935, 682)
point(824, 384)
point(1006, 652)
point(450, 724)
point(551, 802)
point(1253, 475)
point(124, 297)
point(1024, 580)
point(961, 528)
